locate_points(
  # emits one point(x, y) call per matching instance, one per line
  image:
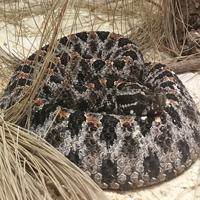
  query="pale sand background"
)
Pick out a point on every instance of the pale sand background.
point(184, 187)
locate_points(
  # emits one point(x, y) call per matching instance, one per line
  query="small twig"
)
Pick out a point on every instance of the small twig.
point(185, 66)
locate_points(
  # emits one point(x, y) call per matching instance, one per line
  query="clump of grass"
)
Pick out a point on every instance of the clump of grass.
point(30, 167)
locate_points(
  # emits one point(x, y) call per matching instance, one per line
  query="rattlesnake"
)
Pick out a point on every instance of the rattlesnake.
point(126, 123)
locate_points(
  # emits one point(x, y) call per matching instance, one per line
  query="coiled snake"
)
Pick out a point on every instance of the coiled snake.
point(125, 123)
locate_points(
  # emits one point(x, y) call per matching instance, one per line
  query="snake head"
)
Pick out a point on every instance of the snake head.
point(141, 104)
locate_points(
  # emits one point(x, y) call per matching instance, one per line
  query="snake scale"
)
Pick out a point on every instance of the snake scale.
point(125, 123)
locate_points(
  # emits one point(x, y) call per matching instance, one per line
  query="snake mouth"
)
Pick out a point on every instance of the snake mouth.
point(141, 104)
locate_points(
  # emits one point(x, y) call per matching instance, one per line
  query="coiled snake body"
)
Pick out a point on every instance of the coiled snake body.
point(125, 123)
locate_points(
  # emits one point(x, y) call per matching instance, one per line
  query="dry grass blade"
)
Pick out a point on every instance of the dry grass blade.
point(28, 165)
